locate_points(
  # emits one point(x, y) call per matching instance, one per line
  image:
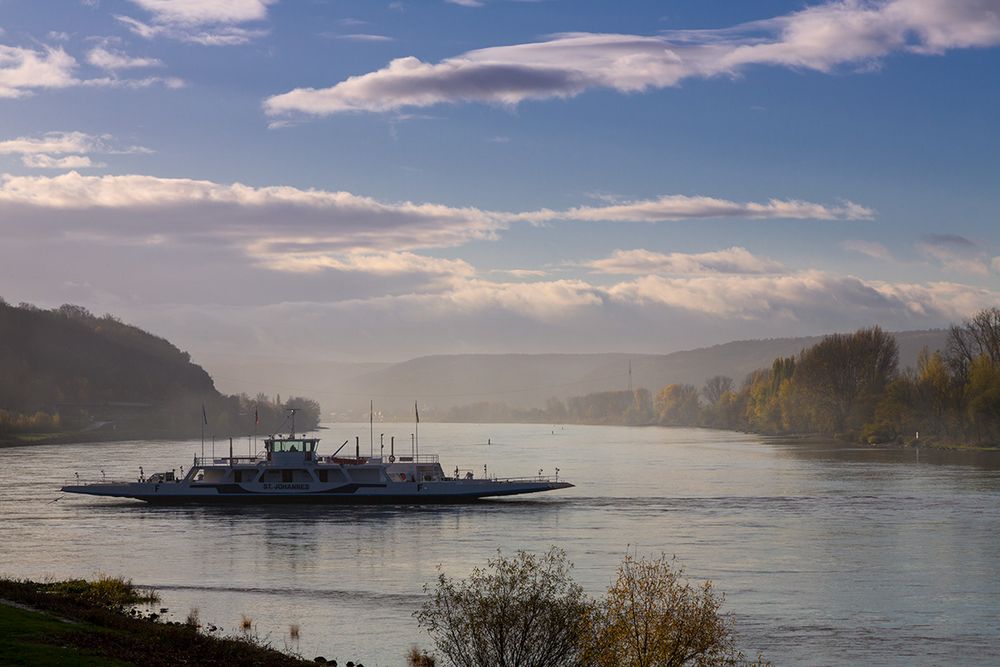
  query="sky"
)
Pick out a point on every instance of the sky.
point(359, 181)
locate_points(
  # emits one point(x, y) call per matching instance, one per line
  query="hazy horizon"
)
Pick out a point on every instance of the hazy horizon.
point(268, 180)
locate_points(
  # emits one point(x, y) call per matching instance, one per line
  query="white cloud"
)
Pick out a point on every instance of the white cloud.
point(682, 207)
point(199, 12)
point(380, 264)
point(466, 3)
point(262, 221)
point(804, 295)
point(731, 260)
point(955, 253)
point(207, 22)
point(821, 38)
point(50, 142)
point(869, 248)
point(363, 37)
point(115, 60)
point(38, 152)
point(42, 161)
point(24, 70)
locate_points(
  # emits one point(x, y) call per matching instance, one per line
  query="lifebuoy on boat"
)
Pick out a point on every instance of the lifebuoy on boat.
point(402, 476)
point(392, 458)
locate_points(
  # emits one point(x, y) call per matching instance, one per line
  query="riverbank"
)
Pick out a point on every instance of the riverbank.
point(81, 623)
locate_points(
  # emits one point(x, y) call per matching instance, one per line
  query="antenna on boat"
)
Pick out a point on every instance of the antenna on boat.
point(291, 414)
point(371, 428)
point(341, 447)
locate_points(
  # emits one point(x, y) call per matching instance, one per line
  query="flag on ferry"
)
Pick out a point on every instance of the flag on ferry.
point(415, 412)
point(204, 415)
point(256, 416)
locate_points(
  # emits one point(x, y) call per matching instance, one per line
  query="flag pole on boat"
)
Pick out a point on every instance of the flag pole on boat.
point(371, 428)
point(416, 430)
point(204, 421)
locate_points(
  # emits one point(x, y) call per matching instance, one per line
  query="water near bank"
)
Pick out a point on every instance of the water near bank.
point(827, 553)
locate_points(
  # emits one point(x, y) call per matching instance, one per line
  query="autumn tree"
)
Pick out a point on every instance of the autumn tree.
point(975, 337)
point(523, 611)
point(677, 405)
point(843, 375)
point(652, 617)
point(715, 387)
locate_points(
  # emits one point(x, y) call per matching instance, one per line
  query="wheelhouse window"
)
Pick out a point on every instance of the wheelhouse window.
point(282, 446)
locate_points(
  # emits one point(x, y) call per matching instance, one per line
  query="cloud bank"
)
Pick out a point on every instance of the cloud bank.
point(682, 207)
point(819, 38)
point(39, 152)
point(638, 262)
point(206, 22)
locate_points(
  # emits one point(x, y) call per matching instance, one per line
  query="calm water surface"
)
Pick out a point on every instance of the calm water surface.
point(827, 554)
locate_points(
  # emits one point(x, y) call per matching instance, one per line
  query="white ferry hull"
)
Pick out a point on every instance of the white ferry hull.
point(400, 493)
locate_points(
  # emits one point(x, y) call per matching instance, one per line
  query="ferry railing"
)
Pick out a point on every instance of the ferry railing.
point(77, 481)
point(535, 478)
point(226, 460)
point(419, 458)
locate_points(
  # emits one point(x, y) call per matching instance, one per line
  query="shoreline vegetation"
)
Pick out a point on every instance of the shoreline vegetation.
point(99, 623)
point(525, 609)
point(846, 387)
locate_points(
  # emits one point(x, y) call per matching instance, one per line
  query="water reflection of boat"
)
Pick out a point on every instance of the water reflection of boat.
point(291, 470)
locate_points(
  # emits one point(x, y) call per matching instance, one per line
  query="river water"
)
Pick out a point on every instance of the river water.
point(827, 554)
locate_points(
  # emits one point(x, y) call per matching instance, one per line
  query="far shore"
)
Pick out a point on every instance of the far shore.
point(101, 435)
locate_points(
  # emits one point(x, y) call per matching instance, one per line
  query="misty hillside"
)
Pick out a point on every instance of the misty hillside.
point(527, 380)
point(68, 356)
point(68, 375)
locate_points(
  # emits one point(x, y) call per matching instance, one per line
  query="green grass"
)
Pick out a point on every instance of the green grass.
point(34, 638)
point(79, 622)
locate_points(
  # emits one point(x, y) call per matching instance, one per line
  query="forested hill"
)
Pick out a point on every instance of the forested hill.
point(69, 375)
point(67, 356)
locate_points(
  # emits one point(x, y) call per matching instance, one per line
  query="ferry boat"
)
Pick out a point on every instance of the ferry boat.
point(291, 470)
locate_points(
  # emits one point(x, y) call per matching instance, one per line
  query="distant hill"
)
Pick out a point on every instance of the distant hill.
point(69, 375)
point(527, 380)
point(68, 356)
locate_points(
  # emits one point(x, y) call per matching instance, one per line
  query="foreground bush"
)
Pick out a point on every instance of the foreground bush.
point(526, 611)
point(651, 617)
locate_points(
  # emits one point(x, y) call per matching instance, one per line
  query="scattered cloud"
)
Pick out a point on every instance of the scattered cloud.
point(683, 207)
point(734, 260)
point(38, 152)
point(381, 264)
point(466, 3)
point(261, 221)
point(207, 22)
point(955, 253)
point(820, 38)
point(22, 70)
point(115, 60)
point(361, 37)
point(42, 161)
point(805, 294)
point(201, 12)
point(869, 248)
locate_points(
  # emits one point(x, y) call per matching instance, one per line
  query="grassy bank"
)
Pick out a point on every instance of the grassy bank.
point(97, 623)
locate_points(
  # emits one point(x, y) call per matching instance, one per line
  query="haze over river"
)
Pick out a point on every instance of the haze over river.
point(828, 554)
